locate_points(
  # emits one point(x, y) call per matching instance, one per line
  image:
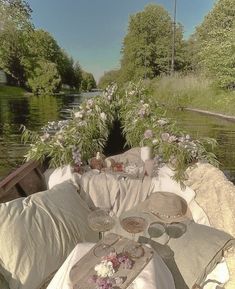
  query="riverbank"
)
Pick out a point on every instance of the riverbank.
point(193, 92)
point(6, 90)
point(228, 117)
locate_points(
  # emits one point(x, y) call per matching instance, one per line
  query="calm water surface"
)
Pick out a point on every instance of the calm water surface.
point(200, 125)
point(35, 111)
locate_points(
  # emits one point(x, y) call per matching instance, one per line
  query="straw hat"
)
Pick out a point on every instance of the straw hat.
point(168, 207)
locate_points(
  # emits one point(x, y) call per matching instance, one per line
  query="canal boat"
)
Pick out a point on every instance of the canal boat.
point(24, 181)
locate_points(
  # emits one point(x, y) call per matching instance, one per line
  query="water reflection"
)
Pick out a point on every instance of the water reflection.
point(222, 130)
point(33, 112)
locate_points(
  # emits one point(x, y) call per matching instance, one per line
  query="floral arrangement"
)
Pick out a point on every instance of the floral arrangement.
point(145, 124)
point(143, 121)
point(104, 277)
point(75, 140)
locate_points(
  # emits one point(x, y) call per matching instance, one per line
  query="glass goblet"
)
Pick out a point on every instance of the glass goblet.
point(101, 220)
point(134, 225)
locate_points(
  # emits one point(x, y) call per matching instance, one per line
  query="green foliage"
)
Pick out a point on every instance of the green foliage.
point(6, 90)
point(82, 136)
point(143, 121)
point(45, 78)
point(108, 78)
point(216, 40)
point(193, 91)
point(22, 48)
point(15, 24)
point(178, 91)
point(147, 46)
point(88, 81)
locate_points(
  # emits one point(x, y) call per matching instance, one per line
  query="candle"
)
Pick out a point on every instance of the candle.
point(145, 153)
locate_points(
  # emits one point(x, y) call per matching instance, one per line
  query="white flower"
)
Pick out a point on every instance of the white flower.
point(89, 103)
point(154, 141)
point(45, 137)
point(103, 116)
point(165, 136)
point(110, 97)
point(146, 105)
point(172, 138)
point(187, 137)
point(105, 269)
point(162, 122)
point(148, 133)
point(79, 114)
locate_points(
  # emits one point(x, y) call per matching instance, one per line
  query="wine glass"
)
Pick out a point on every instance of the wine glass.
point(134, 225)
point(101, 220)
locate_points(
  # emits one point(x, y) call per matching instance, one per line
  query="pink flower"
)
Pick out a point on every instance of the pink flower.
point(148, 133)
point(112, 257)
point(165, 136)
point(125, 261)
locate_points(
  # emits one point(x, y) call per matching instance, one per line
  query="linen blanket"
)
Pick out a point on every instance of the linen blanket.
point(122, 193)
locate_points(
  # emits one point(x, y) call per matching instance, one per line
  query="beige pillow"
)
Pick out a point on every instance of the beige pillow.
point(3, 283)
point(37, 233)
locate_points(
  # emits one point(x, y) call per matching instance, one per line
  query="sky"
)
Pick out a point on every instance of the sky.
point(92, 31)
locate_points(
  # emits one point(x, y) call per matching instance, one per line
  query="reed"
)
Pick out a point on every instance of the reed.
point(192, 91)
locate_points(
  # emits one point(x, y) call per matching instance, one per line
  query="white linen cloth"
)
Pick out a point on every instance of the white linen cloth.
point(155, 275)
point(106, 189)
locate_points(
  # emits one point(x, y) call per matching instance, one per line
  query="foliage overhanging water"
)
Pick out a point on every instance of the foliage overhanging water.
point(34, 112)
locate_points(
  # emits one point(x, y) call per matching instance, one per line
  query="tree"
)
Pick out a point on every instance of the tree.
point(15, 23)
point(78, 75)
point(216, 40)
point(88, 81)
point(65, 68)
point(108, 78)
point(45, 78)
point(147, 46)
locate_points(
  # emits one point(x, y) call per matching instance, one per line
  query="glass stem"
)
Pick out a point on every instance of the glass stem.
point(133, 237)
point(101, 235)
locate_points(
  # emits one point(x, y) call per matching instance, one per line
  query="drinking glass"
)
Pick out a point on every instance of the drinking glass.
point(157, 230)
point(134, 225)
point(101, 220)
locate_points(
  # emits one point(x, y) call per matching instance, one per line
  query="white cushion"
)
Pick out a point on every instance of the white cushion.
point(37, 233)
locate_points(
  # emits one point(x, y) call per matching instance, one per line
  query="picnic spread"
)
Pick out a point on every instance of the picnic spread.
point(134, 195)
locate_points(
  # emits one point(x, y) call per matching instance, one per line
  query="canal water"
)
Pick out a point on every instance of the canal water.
point(35, 111)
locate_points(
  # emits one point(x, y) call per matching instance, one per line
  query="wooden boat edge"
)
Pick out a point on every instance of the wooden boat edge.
point(22, 182)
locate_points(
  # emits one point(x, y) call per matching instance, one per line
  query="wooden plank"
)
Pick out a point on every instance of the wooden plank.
point(84, 268)
point(24, 181)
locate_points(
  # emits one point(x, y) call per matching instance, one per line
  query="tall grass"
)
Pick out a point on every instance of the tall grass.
point(194, 92)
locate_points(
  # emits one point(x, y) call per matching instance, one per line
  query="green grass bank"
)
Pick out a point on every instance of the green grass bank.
point(6, 90)
point(193, 92)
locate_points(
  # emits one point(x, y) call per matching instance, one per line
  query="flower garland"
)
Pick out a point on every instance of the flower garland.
point(77, 139)
point(105, 270)
point(143, 121)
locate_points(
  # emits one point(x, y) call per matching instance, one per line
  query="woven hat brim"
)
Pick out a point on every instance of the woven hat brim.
point(168, 220)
